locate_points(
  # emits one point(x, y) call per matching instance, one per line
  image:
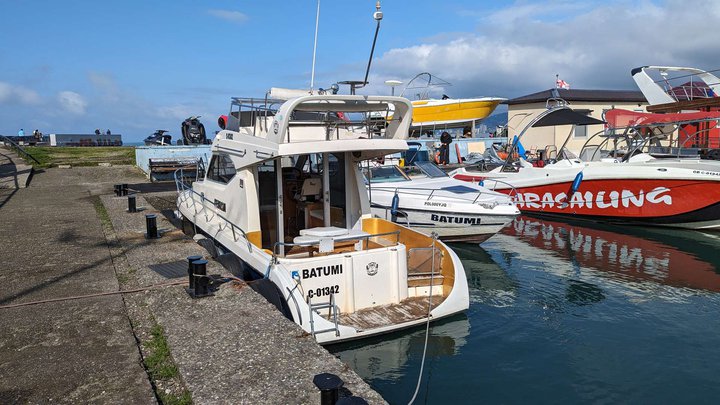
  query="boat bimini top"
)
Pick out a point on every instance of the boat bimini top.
point(259, 130)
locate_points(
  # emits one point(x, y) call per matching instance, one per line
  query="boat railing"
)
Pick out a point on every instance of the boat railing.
point(497, 182)
point(190, 202)
point(693, 86)
point(663, 139)
point(370, 128)
point(430, 193)
point(364, 237)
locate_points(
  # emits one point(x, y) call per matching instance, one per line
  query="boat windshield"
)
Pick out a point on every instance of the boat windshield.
point(430, 169)
point(385, 174)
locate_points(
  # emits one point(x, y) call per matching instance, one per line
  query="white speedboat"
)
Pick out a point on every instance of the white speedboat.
point(427, 199)
point(284, 192)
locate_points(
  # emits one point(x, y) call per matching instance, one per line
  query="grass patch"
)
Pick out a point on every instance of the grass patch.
point(170, 399)
point(159, 363)
point(161, 366)
point(102, 212)
point(49, 156)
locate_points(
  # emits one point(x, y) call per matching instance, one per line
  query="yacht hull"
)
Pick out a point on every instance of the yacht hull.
point(205, 219)
point(654, 194)
point(449, 226)
point(436, 112)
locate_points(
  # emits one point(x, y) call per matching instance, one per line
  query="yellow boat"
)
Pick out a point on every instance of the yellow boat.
point(433, 111)
point(449, 111)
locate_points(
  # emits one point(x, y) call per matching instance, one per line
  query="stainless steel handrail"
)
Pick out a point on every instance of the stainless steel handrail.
point(408, 191)
point(182, 187)
point(358, 237)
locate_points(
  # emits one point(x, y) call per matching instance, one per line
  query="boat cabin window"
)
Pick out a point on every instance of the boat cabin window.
point(430, 170)
point(221, 169)
point(267, 195)
point(385, 174)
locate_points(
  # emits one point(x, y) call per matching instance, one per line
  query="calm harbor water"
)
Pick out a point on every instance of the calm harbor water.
point(567, 313)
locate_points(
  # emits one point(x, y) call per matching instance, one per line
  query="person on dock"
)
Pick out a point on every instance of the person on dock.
point(445, 141)
point(21, 132)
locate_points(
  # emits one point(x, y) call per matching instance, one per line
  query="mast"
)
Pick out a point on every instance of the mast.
point(312, 73)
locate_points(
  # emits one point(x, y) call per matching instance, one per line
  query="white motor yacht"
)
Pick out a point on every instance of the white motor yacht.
point(425, 198)
point(284, 192)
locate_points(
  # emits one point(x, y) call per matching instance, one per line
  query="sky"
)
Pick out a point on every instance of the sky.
point(134, 66)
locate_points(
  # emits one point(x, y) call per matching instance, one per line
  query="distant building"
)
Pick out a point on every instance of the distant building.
point(85, 140)
point(594, 103)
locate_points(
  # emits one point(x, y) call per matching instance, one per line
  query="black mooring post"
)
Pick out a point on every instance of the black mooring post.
point(201, 279)
point(132, 206)
point(191, 277)
point(329, 386)
point(151, 225)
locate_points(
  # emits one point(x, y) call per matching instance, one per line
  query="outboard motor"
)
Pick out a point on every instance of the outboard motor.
point(193, 131)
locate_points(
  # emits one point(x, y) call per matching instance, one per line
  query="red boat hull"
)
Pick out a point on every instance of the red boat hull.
point(646, 201)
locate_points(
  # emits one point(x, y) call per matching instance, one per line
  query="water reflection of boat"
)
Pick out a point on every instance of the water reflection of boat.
point(489, 282)
point(674, 259)
point(387, 357)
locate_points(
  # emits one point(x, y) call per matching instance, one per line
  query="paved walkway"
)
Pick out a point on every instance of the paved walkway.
point(14, 173)
point(52, 246)
point(231, 348)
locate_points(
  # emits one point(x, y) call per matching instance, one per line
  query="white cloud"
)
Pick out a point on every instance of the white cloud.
point(72, 102)
point(519, 49)
point(14, 94)
point(229, 15)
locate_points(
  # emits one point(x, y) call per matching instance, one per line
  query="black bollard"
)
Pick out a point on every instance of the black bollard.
point(201, 279)
point(151, 225)
point(329, 386)
point(132, 207)
point(353, 400)
point(124, 190)
point(118, 188)
point(191, 277)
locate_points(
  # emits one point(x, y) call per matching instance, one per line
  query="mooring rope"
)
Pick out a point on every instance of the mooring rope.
point(76, 297)
point(427, 324)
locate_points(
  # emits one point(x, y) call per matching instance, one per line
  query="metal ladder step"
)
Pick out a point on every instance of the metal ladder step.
point(333, 313)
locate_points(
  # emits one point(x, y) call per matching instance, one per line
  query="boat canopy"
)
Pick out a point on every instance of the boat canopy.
point(396, 128)
point(565, 116)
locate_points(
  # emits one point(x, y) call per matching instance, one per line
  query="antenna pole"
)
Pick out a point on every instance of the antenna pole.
point(377, 15)
point(312, 74)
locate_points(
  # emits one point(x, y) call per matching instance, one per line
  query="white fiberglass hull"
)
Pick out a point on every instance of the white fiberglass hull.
point(203, 216)
point(453, 210)
point(676, 193)
point(449, 226)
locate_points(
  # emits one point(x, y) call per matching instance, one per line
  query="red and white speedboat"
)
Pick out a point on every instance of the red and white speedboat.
point(631, 185)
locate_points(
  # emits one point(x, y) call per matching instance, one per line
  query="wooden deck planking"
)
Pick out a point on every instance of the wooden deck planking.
point(409, 309)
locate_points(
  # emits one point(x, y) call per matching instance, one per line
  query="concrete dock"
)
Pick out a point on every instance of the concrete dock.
point(67, 235)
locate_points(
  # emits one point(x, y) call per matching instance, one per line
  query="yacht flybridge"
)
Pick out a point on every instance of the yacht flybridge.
point(284, 192)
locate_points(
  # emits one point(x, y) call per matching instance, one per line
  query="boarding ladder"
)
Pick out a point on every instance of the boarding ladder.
point(333, 312)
